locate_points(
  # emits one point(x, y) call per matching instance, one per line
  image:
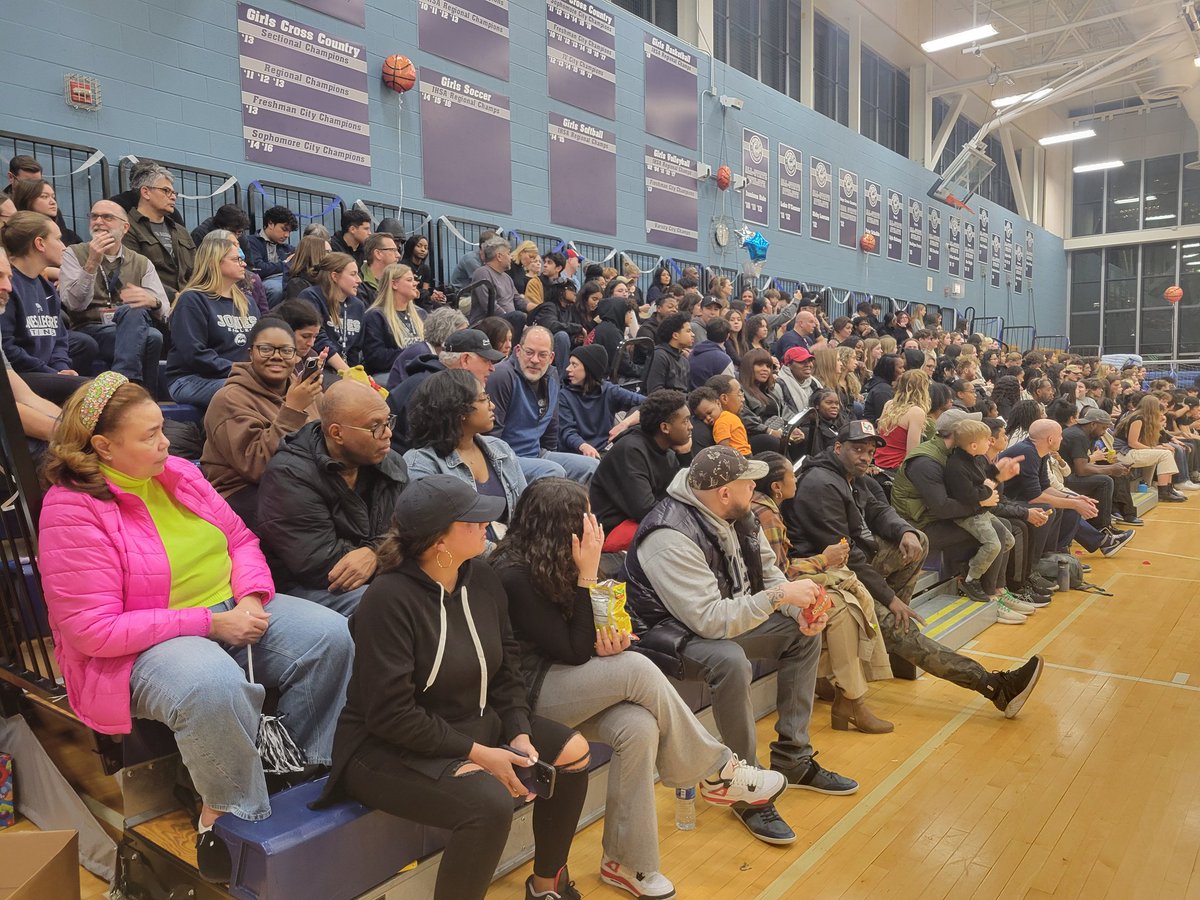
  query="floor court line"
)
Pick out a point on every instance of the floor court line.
point(784, 883)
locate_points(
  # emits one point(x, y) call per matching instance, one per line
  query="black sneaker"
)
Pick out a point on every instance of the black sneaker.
point(564, 888)
point(1115, 542)
point(1131, 519)
point(212, 858)
point(808, 775)
point(1033, 590)
point(973, 589)
point(1170, 495)
point(1041, 585)
point(1037, 598)
point(1009, 690)
point(765, 823)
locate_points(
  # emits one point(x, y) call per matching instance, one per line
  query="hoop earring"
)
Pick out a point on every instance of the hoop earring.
point(438, 559)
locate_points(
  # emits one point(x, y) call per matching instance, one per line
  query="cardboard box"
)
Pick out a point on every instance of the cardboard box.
point(7, 799)
point(39, 865)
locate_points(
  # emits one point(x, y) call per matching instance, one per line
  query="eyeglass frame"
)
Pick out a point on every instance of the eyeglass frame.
point(274, 348)
point(388, 424)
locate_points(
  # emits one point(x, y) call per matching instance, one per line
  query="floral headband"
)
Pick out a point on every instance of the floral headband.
point(99, 392)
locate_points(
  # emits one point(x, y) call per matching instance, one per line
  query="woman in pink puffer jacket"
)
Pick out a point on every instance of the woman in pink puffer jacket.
point(155, 590)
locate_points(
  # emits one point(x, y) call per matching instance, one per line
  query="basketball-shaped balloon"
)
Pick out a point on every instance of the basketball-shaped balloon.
point(399, 73)
point(724, 176)
point(867, 242)
point(1173, 294)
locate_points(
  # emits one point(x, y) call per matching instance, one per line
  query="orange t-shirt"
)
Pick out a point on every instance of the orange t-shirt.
point(729, 427)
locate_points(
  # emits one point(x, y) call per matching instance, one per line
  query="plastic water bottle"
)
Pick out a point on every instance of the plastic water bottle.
point(1064, 575)
point(685, 809)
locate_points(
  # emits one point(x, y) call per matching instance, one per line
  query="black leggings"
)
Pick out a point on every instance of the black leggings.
point(476, 808)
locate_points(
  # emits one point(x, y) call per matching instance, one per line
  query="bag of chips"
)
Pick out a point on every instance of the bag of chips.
point(608, 606)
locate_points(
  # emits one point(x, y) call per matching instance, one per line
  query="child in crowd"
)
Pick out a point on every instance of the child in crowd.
point(727, 427)
point(968, 485)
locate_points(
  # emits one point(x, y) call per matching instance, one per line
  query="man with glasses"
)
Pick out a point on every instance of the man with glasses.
point(114, 295)
point(327, 497)
point(155, 234)
point(525, 388)
point(380, 250)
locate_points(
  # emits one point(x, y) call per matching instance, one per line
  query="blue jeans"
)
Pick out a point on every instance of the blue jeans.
point(195, 389)
point(273, 285)
point(344, 602)
point(130, 344)
point(552, 464)
point(199, 689)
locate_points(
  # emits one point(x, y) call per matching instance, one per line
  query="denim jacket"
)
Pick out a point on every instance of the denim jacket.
point(424, 461)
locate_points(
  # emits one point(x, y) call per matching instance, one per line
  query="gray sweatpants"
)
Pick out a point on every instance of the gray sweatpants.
point(626, 702)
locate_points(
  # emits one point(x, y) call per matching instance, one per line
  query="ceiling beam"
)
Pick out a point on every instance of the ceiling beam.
point(1058, 29)
point(943, 136)
point(1014, 173)
point(1072, 32)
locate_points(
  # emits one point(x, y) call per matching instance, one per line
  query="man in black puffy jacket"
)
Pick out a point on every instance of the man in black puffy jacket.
point(327, 498)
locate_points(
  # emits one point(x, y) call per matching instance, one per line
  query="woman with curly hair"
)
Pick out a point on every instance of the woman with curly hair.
point(1006, 393)
point(902, 422)
point(583, 676)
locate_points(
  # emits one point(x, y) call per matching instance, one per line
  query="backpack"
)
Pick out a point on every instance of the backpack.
point(1047, 567)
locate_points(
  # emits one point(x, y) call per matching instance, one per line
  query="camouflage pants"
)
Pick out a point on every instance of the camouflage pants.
point(912, 646)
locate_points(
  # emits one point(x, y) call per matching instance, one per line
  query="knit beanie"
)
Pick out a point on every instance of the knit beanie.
point(594, 359)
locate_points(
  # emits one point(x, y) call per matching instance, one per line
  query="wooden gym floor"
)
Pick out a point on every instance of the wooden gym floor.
point(1093, 791)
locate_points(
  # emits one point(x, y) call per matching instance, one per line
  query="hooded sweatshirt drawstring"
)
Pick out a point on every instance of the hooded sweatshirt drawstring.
point(441, 648)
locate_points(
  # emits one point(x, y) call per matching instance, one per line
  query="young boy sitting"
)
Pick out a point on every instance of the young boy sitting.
point(967, 483)
point(728, 427)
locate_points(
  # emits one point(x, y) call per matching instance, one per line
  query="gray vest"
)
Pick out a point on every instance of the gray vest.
point(133, 268)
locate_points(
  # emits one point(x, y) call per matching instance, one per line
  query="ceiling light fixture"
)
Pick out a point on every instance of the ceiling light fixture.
point(1014, 99)
point(1068, 136)
point(957, 40)
point(1124, 201)
point(1098, 167)
point(1161, 218)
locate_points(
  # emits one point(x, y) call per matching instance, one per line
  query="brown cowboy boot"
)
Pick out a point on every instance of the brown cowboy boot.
point(846, 711)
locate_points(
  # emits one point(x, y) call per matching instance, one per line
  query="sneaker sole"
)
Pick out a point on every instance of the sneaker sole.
point(1117, 549)
point(817, 790)
point(745, 804)
point(1014, 705)
point(624, 885)
point(777, 842)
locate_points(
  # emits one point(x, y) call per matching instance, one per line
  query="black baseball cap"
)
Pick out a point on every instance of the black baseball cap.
point(432, 504)
point(859, 430)
point(472, 340)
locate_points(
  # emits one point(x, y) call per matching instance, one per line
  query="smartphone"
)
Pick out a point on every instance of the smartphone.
point(311, 365)
point(821, 605)
point(538, 778)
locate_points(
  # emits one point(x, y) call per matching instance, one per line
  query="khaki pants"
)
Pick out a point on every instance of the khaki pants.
point(1161, 457)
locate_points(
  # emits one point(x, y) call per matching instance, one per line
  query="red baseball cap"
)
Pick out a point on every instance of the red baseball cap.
point(796, 354)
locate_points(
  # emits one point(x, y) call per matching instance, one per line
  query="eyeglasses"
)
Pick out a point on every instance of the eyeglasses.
point(391, 249)
point(379, 429)
point(167, 192)
point(542, 355)
point(240, 258)
point(266, 351)
point(104, 217)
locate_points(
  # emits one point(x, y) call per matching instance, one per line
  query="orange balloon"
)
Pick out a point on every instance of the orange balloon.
point(1173, 294)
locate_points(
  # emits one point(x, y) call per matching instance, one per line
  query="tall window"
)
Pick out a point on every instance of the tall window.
point(1087, 194)
point(663, 13)
point(998, 187)
point(762, 39)
point(831, 70)
point(1085, 298)
point(884, 106)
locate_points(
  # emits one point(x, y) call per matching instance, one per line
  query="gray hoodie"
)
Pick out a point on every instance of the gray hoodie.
point(681, 578)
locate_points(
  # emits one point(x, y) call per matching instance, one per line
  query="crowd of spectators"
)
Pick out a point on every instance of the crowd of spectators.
point(434, 478)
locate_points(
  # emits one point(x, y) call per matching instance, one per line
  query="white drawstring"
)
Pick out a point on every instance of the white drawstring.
point(441, 649)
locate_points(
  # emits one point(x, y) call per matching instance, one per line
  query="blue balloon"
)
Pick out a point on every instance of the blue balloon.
point(756, 245)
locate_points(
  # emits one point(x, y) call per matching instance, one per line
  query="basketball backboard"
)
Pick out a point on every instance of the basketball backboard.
point(963, 177)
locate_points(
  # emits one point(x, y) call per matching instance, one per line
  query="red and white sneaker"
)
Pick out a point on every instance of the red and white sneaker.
point(647, 885)
point(740, 784)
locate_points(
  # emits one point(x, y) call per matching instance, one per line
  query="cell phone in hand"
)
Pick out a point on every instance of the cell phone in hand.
point(538, 778)
point(311, 365)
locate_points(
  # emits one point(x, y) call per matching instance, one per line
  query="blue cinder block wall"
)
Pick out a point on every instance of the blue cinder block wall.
point(170, 87)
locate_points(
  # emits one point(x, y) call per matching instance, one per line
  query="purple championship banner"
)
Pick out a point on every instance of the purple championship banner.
point(933, 250)
point(969, 251)
point(304, 97)
point(671, 89)
point(848, 208)
point(1029, 256)
point(985, 236)
point(672, 210)
point(1008, 245)
point(583, 175)
point(473, 33)
point(581, 56)
point(954, 247)
point(1018, 267)
point(465, 143)
point(995, 259)
point(820, 181)
point(873, 212)
point(756, 166)
point(895, 229)
point(916, 232)
point(791, 190)
point(352, 11)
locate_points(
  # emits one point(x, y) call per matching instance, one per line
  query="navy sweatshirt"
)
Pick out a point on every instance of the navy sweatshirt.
point(34, 339)
point(207, 335)
point(588, 418)
point(259, 258)
point(521, 422)
point(345, 339)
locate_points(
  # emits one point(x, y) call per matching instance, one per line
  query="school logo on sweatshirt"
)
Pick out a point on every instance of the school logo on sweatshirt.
point(41, 326)
point(238, 325)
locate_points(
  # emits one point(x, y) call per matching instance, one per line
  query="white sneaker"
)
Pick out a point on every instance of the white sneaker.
point(648, 885)
point(741, 784)
point(1016, 604)
point(1009, 616)
point(1188, 486)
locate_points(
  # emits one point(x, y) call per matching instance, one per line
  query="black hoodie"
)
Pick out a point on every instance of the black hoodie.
point(611, 330)
point(309, 518)
point(828, 507)
point(425, 709)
